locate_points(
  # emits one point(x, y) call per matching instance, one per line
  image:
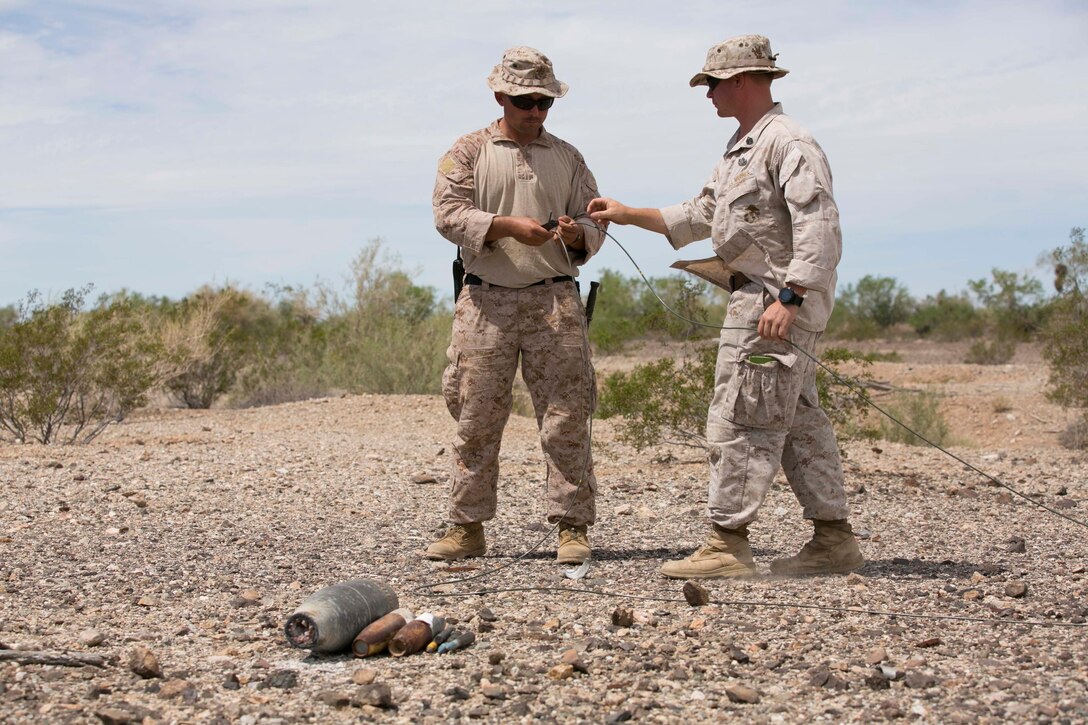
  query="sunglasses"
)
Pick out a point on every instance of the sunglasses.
point(525, 102)
point(713, 82)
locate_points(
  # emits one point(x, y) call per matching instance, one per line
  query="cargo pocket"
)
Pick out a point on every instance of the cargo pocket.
point(451, 383)
point(760, 391)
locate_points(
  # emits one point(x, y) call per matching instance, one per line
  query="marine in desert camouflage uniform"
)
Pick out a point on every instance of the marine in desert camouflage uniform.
point(768, 208)
point(495, 188)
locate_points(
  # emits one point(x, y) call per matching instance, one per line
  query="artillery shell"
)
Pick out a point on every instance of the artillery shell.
point(459, 642)
point(441, 637)
point(376, 635)
point(330, 618)
point(415, 635)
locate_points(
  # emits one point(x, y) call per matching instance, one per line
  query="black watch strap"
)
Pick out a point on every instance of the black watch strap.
point(788, 297)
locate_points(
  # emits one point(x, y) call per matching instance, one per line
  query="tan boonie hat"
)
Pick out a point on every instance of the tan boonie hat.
point(523, 71)
point(742, 54)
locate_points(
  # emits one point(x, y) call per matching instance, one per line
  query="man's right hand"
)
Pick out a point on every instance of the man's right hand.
point(524, 229)
point(607, 210)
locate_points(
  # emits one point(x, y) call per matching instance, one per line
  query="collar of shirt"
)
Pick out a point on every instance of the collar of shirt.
point(753, 135)
point(544, 139)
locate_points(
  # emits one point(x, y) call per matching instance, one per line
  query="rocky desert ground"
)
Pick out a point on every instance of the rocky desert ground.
point(167, 554)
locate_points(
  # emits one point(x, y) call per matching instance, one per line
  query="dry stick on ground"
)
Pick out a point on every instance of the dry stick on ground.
point(32, 657)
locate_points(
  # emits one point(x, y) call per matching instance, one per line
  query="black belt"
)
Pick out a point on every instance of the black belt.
point(473, 279)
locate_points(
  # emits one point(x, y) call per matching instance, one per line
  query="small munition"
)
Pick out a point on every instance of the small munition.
point(376, 635)
point(329, 619)
point(415, 635)
point(441, 637)
point(458, 642)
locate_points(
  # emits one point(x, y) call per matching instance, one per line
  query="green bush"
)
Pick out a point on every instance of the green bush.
point(65, 374)
point(919, 411)
point(991, 352)
point(947, 317)
point(869, 308)
point(1014, 303)
point(663, 402)
point(1065, 335)
point(627, 310)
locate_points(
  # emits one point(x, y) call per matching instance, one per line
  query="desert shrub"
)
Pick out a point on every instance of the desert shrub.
point(1065, 334)
point(66, 374)
point(662, 402)
point(1014, 303)
point(921, 412)
point(869, 308)
point(947, 317)
point(666, 402)
point(8, 316)
point(991, 352)
point(627, 310)
point(1075, 435)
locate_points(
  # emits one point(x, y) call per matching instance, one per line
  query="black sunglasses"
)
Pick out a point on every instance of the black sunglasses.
point(713, 82)
point(525, 102)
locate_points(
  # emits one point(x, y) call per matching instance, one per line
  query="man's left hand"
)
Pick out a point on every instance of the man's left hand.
point(570, 233)
point(776, 321)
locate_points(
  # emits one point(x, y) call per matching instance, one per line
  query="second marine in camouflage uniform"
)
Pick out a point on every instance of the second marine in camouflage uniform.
point(769, 210)
point(519, 302)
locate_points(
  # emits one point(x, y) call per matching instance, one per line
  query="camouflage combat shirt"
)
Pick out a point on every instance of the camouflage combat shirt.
point(769, 210)
point(486, 174)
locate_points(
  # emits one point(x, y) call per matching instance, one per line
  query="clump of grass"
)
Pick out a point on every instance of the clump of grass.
point(919, 411)
point(997, 352)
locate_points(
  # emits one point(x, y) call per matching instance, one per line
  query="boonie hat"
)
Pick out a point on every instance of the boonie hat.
point(742, 54)
point(525, 70)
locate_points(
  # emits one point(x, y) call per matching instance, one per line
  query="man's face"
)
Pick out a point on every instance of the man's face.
point(723, 94)
point(527, 122)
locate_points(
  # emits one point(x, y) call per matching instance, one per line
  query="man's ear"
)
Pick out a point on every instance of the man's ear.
point(499, 99)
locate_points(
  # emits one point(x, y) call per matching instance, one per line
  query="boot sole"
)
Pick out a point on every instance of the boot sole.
point(844, 569)
point(715, 574)
point(443, 557)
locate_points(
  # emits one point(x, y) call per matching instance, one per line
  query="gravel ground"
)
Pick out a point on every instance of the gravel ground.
point(175, 546)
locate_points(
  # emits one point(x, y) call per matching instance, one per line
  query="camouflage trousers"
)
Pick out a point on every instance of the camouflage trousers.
point(544, 326)
point(765, 413)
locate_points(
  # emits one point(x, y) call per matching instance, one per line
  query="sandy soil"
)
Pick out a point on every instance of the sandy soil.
point(174, 547)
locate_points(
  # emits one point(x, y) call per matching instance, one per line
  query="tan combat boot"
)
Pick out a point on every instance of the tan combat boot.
point(833, 550)
point(725, 554)
point(573, 544)
point(461, 541)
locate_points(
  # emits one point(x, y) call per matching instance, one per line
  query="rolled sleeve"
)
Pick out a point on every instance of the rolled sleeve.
point(456, 216)
point(692, 220)
point(584, 190)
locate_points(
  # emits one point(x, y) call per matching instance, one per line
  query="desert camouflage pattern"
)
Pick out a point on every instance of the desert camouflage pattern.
point(486, 174)
point(544, 327)
point(740, 54)
point(769, 210)
point(523, 71)
point(766, 410)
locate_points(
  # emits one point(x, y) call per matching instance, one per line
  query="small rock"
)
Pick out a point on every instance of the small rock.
point(624, 509)
point(971, 595)
point(334, 698)
point(424, 478)
point(117, 716)
point(739, 656)
point(143, 662)
point(854, 578)
point(930, 642)
point(375, 695)
point(561, 672)
point(493, 692)
point(1065, 503)
point(364, 676)
point(280, 679)
point(486, 615)
point(458, 693)
point(742, 694)
point(919, 680)
point(173, 688)
point(231, 682)
point(248, 598)
point(91, 638)
point(878, 655)
point(1016, 545)
point(646, 513)
point(623, 617)
point(572, 658)
point(619, 716)
point(696, 594)
point(1016, 590)
point(877, 681)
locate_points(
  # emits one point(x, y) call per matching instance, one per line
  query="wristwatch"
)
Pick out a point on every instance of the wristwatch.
point(788, 297)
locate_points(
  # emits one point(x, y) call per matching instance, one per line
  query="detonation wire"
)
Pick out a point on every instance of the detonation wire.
point(426, 590)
